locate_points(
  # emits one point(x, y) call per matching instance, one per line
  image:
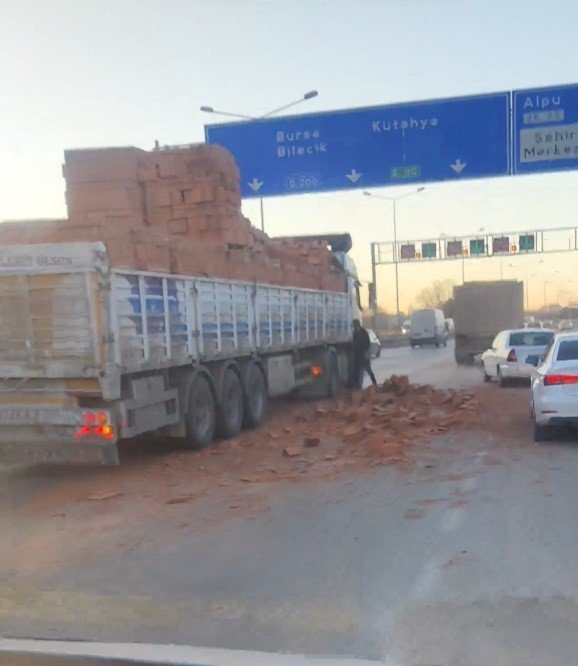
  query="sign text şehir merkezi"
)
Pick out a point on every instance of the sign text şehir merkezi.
point(545, 129)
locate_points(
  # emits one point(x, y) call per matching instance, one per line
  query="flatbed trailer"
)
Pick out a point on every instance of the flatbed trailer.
point(91, 355)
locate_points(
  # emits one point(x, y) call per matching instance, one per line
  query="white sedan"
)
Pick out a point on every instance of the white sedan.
point(507, 358)
point(555, 387)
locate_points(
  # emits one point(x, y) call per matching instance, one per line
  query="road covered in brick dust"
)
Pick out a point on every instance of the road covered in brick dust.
point(459, 549)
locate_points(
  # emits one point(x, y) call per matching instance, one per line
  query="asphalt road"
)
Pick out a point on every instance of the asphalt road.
point(469, 557)
point(425, 365)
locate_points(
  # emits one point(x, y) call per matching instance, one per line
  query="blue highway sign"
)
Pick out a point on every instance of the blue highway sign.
point(545, 129)
point(448, 139)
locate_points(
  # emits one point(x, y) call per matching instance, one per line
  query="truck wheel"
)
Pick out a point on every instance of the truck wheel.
point(201, 415)
point(230, 417)
point(255, 399)
point(333, 379)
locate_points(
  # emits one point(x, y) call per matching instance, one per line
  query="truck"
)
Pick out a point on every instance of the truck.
point(91, 355)
point(483, 309)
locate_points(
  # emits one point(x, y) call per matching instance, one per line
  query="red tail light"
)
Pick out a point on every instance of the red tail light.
point(104, 431)
point(512, 358)
point(556, 380)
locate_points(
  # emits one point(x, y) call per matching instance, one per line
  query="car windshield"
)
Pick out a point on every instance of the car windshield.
point(568, 350)
point(530, 338)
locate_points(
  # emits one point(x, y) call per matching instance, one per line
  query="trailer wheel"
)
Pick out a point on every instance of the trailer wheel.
point(230, 417)
point(255, 399)
point(201, 415)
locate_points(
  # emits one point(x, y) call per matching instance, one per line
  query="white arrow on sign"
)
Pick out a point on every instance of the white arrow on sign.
point(255, 185)
point(459, 166)
point(353, 176)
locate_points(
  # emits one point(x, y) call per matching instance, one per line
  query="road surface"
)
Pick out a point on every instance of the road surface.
point(426, 365)
point(468, 556)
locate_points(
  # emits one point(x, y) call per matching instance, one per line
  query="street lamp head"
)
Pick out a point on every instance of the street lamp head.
point(311, 94)
point(207, 109)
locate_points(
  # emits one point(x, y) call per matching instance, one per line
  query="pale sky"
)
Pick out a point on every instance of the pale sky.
point(100, 73)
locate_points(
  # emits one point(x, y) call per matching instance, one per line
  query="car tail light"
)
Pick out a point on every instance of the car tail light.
point(557, 380)
point(512, 358)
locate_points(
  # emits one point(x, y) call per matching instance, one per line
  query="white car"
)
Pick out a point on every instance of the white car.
point(507, 358)
point(555, 386)
point(405, 327)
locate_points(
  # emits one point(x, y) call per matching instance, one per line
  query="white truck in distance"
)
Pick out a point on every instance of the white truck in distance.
point(90, 355)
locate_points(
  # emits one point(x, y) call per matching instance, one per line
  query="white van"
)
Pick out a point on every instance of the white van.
point(428, 327)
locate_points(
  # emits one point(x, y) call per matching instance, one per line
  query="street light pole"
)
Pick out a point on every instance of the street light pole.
point(262, 215)
point(395, 258)
point(307, 96)
point(373, 303)
point(395, 254)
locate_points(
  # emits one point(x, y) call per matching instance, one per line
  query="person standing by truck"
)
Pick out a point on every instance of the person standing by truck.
point(361, 361)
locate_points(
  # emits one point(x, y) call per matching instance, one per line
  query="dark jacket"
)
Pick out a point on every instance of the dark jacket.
point(361, 343)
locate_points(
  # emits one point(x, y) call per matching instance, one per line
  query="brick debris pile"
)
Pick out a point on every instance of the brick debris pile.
point(175, 210)
point(373, 427)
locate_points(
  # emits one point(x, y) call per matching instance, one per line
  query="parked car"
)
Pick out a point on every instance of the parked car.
point(507, 358)
point(565, 325)
point(555, 386)
point(428, 327)
point(405, 327)
point(374, 344)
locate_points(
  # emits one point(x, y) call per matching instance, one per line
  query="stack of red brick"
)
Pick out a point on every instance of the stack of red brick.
point(174, 211)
